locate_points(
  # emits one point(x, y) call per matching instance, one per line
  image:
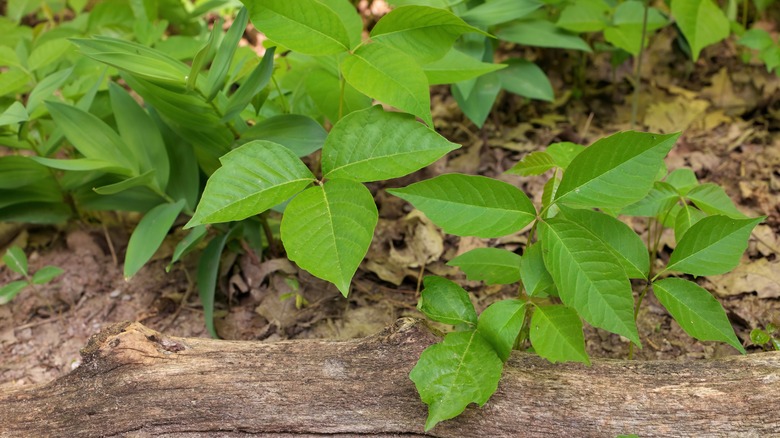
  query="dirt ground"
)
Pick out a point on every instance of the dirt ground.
point(729, 112)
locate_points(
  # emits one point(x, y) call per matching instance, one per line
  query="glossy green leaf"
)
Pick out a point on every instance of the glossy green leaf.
point(324, 88)
point(657, 202)
point(46, 274)
point(373, 144)
point(712, 199)
point(696, 310)
point(534, 274)
point(491, 265)
point(301, 134)
point(306, 26)
point(589, 278)
point(149, 235)
point(712, 246)
point(616, 171)
point(444, 301)
point(462, 369)
point(389, 76)
point(256, 81)
point(16, 260)
point(144, 179)
point(227, 49)
point(83, 165)
point(253, 178)
point(140, 135)
point(682, 179)
point(556, 334)
point(701, 21)
point(467, 205)
point(685, 218)
point(327, 230)
point(477, 105)
point(457, 66)
point(10, 290)
point(193, 238)
point(526, 79)
point(535, 163)
point(500, 11)
point(423, 32)
point(622, 241)
point(500, 324)
point(541, 33)
point(563, 153)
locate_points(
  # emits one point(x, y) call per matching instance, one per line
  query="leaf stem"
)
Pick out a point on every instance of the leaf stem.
point(638, 68)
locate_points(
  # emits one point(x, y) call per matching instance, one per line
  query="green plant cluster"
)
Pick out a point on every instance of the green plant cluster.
point(16, 260)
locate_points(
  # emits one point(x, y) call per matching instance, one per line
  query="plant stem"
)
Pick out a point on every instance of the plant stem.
point(638, 69)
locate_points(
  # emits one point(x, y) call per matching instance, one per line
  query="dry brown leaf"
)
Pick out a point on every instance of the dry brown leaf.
point(761, 277)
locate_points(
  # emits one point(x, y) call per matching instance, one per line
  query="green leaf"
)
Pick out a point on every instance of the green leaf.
point(628, 38)
point(46, 274)
point(46, 88)
point(564, 153)
point(208, 272)
point(457, 66)
point(616, 171)
point(684, 220)
point(48, 53)
point(300, 134)
point(423, 32)
point(712, 246)
point(140, 135)
point(10, 290)
point(696, 310)
point(149, 235)
point(500, 324)
point(444, 301)
point(373, 145)
point(193, 238)
point(256, 81)
point(91, 136)
point(534, 274)
point(227, 49)
point(712, 199)
point(324, 88)
point(18, 171)
point(253, 178)
point(548, 194)
point(477, 105)
point(621, 240)
point(306, 26)
point(526, 79)
point(535, 163)
point(556, 334)
point(467, 205)
point(206, 53)
point(588, 276)
point(389, 76)
point(12, 81)
point(82, 165)
point(144, 179)
point(541, 33)
point(327, 229)
point(683, 180)
point(462, 369)
point(701, 21)
point(582, 16)
point(492, 265)
point(16, 261)
point(14, 114)
point(657, 202)
point(500, 11)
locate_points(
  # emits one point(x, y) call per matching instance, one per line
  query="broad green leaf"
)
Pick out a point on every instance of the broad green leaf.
point(500, 324)
point(456, 66)
point(696, 310)
point(756, 39)
point(10, 290)
point(564, 152)
point(256, 81)
point(48, 53)
point(621, 240)
point(91, 136)
point(590, 16)
point(136, 59)
point(149, 235)
point(324, 88)
point(389, 76)
point(526, 79)
point(556, 334)
point(227, 49)
point(628, 38)
point(685, 218)
point(373, 144)
point(46, 274)
point(534, 274)
point(327, 229)
point(535, 163)
point(253, 178)
point(712, 246)
point(43, 191)
point(467, 205)
point(144, 179)
point(683, 180)
point(14, 114)
point(491, 265)
point(444, 301)
point(140, 135)
point(589, 278)
point(193, 238)
point(500, 11)
point(186, 110)
point(712, 199)
point(301, 134)
point(350, 17)
point(305, 26)
point(477, 105)
point(82, 164)
point(208, 273)
point(632, 13)
point(657, 202)
point(16, 260)
point(615, 171)
point(12, 81)
point(46, 87)
point(541, 33)
point(18, 171)
point(462, 369)
point(701, 21)
point(424, 33)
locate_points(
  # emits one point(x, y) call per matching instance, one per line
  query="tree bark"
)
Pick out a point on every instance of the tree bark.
point(136, 382)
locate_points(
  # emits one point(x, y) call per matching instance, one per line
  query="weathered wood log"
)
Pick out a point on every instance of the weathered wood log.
point(136, 382)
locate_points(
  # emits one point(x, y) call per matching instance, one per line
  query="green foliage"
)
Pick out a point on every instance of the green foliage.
point(16, 260)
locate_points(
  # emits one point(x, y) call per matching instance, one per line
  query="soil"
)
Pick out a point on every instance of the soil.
point(728, 110)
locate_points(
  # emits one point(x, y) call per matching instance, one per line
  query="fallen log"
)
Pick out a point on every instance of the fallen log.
point(136, 382)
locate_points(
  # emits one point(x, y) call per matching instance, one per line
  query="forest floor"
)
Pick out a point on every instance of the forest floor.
point(728, 111)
